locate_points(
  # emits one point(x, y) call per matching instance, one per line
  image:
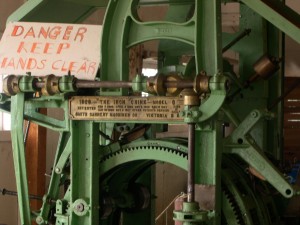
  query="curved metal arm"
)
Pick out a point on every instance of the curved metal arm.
point(242, 144)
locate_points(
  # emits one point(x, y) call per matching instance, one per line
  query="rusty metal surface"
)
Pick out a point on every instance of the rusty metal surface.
point(126, 108)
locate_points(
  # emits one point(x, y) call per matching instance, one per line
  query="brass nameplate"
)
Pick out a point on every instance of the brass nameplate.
point(126, 108)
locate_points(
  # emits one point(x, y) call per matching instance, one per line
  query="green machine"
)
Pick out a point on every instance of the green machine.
point(108, 173)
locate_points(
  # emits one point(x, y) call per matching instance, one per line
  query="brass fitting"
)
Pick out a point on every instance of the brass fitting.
point(190, 98)
point(11, 85)
point(173, 91)
point(155, 85)
point(265, 67)
point(51, 85)
point(201, 83)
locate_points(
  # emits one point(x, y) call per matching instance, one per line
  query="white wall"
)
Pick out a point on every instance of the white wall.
point(6, 8)
point(8, 204)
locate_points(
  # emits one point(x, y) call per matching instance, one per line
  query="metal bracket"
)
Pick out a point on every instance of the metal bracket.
point(242, 144)
point(62, 219)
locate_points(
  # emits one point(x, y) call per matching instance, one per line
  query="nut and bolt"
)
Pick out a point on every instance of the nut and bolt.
point(57, 170)
point(39, 220)
point(79, 207)
point(254, 114)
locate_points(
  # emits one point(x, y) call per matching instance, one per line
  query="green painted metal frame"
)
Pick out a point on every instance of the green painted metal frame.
point(17, 137)
point(85, 171)
point(277, 13)
point(56, 178)
point(241, 143)
point(123, 29)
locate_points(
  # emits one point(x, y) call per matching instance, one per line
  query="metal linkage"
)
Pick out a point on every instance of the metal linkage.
point(191, 213)
point(191, 163)
point(191, 100)
point(241, 143)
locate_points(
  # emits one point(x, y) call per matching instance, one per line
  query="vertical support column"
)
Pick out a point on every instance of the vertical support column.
point(208, 164)
point(208, 52)
point(208, 47)
point(275, 46)
point(84, 173)
point(17, 138)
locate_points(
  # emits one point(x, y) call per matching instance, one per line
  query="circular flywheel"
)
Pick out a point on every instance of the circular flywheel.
point(241, 203)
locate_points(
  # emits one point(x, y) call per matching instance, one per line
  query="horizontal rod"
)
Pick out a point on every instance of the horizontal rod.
point(14, 193)
point(103, 84)
point(119, 84)
point(94, 84)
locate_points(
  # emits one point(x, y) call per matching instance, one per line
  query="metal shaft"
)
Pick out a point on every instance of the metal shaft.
point(280, 98)
point(103, 84)
point(14, 193)
point(246, 32)
point(119, 84)
point(191, 163)
point(176, 84)
point(95, 84)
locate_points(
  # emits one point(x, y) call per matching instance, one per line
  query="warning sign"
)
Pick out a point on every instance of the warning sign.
point(50, 48)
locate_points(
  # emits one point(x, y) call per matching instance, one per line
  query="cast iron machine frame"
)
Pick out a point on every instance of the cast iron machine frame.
point(85, 152)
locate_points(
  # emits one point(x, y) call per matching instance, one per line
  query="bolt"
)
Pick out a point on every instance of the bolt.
point(254, 114)
point(39, 220)
point(197, 113)
point(57, 170)
point(87, 134)
point(79, 207)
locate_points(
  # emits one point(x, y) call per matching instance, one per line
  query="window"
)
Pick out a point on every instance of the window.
point(149, 72)
point(5, 123)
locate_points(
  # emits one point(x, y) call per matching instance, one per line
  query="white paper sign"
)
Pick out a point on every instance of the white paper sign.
point(50, 48)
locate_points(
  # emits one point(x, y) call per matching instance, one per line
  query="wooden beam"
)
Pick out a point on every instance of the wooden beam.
point(135, 61)
point(36, 162)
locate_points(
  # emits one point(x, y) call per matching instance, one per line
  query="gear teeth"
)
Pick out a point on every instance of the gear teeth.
point(233, 206)
point(155, 148)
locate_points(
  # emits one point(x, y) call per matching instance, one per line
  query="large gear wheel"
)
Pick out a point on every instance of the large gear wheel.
point(241, 205)
point(230, 210)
